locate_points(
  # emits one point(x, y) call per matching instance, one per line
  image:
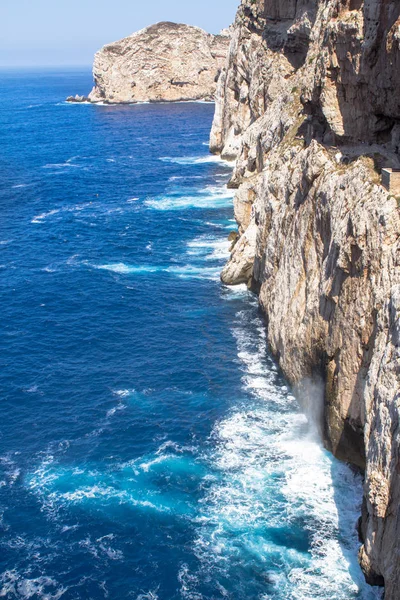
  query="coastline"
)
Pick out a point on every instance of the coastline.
point(109, 103)
point(319, 232)
point(146, 471)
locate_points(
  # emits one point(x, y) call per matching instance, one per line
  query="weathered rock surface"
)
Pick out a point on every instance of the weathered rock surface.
point(165, 62)
point(77, 99)
point(308, 104)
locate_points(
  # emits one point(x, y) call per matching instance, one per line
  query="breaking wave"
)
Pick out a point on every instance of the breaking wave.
point(212, 197)
point(184, 271)
point(195, 160)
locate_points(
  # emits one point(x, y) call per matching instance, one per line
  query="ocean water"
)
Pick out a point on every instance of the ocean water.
point(149, 446)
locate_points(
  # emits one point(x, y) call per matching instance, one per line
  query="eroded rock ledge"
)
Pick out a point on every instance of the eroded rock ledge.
point(308, 105)
point(166, 62)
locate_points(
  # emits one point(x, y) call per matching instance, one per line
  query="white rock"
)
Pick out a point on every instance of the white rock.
point(164, 62)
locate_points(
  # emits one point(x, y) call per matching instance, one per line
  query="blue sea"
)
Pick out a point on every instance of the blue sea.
point(149, 446)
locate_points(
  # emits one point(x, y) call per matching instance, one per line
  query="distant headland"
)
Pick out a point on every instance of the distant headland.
point(166, 62)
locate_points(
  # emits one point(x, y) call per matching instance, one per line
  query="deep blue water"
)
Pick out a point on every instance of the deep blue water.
point(149, 447)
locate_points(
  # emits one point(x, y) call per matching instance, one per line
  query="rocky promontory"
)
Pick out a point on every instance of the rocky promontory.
point(308, 105)
point(166, 62)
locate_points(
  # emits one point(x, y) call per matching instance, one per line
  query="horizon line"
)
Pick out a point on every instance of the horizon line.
point(55, 66)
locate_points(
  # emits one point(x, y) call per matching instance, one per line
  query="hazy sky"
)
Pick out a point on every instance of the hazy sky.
point(68, 32)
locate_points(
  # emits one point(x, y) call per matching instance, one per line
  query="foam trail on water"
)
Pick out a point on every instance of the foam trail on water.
point(124, 269)
point(78, 208)
point(195, 160)
point(185, 177)
point(209, 248)
point(182, 271)
point(40, 218)
point(67, 165)
point(212, 197)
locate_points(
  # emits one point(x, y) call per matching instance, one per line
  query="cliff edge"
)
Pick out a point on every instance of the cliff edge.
point(166, 62)
point(308, 105)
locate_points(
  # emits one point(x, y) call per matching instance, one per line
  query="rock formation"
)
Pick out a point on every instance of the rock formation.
point(166, 62)
point(77, 99)
point(308, 105)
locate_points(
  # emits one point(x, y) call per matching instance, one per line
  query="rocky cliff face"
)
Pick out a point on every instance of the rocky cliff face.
point(308, 105)
point(165, 62)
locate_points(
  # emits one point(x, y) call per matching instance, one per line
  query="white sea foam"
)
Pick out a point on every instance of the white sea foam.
point(124, 393)
point(194, 272)
point(40, 218)
point(210, 197)
point(150, 595)
point(115, 409)
point(85, 103)
point(59, 487)
point(66, 165)
point(215, 225)
point(77, 208)
point(273, 474)
point(195, 160)
point(146, 466)
point(95, 432)
point(202, 245)
point(100, 548)
point(123, 269)
point(185, 177)
point(104, 494)
point(188, 581)
point(11, 470)
point(183, 271)
point(111, 553)
point(14, 585)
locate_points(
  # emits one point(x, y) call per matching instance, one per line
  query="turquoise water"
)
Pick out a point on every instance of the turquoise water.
point(149, 447)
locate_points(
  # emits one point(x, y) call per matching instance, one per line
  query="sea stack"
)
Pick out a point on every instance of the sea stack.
point(166, 62)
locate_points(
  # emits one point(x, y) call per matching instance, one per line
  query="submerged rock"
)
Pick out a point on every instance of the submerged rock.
point(162, 63)
point(77, 98)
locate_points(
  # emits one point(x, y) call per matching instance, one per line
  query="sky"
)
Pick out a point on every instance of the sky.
point(69, 32)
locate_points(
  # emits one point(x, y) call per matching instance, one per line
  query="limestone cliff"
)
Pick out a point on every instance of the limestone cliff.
point(165, 62)
point(308, 105)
